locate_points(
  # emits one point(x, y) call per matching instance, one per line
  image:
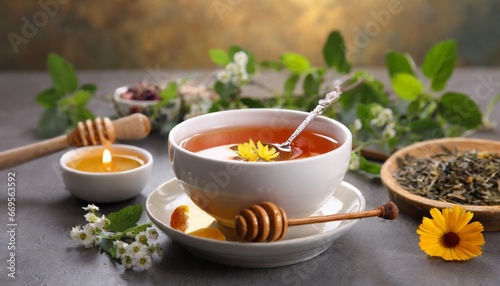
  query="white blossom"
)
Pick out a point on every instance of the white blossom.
point(90, 217)
point(136, 249)
point(101, 222)
point(128, 261)
point(87, 236)
point(389, 132)
point(75, 232)
point(240, 58)
point(386, 114)
point(243, 77)
point(224, 76)
point(357, 124)
point(376, 109)
point(152, 233)
point(121, 248)
point(232, 68)
point(91, 207)
point(142, 262)
point(384, 117)
point(354, 162)
point(142, 238)
point(98, 239)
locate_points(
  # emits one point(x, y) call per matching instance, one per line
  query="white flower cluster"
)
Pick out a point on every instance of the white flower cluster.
point(198, 98)
point(89, 234)
point(384, 117)
point(236, 70)
point(136, 255)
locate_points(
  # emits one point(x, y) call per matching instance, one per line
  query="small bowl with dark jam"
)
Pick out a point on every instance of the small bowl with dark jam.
point(201, 151)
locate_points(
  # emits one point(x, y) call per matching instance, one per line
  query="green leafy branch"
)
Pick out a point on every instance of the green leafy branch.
point(416, 110)
point(64, 103)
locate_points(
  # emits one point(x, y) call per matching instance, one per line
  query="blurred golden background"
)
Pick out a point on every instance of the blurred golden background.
point(135, 34)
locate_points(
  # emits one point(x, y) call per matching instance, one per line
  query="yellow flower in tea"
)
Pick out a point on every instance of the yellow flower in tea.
point(449, 234)
point(247, 151)
point(265, 153)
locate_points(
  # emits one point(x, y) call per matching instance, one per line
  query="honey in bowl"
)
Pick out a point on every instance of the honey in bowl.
point(218, 143)
point(103, 161)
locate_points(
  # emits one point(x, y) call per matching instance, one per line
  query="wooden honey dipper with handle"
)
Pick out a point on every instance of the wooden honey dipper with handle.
point(90, 132)
point(267, 222)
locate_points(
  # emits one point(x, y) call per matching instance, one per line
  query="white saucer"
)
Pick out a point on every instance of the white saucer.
point(299, 244)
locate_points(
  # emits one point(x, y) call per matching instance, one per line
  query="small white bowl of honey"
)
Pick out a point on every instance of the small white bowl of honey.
point(106, 174)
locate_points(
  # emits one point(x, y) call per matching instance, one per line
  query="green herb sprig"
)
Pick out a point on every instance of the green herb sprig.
point(415, 109)
point(64, 102)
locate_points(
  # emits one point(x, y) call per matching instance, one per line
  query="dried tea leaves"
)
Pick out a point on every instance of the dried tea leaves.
point(470, 178)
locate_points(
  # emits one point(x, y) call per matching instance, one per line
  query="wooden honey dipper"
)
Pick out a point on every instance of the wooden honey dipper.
point(90, 132)
point(267, 222)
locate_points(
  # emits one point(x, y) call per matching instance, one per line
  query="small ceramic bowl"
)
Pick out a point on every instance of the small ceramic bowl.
point(124, 107)
point(101, 187)
point(418, 206)
point(223, 187)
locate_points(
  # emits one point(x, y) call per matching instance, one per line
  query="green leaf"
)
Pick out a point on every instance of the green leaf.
point(277, 66)
point(81, 97)
point(370, 167)
point(225, 91)
point(364, 113)
point(167, 94)
point(290, 84)
point(219, 57)
point(125, 218)
point(296, 63)
point(219, 105)
point(233, 50)
point(252, 63)
point(107, 245)
point(407, 86)
point(62, 73)
point(252, 102)
point(81, 113)
point(52, 123)
point(427, 128)
point(89, 87)
point(368, 91)
point(399, 63)
point(424, 106)
point(48, 98)
point(334, 53)
point(138, 228)
point(439, 63)
point(459, 109)
point(311, 85)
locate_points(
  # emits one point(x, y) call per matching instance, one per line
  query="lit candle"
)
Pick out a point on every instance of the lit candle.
point(105, 162)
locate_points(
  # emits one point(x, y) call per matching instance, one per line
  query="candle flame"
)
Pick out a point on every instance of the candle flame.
point(106, 156)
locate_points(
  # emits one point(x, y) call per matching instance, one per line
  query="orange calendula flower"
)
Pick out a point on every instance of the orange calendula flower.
point(449, 234)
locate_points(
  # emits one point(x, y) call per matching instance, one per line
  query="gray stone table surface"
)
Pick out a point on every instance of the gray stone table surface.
point(374, 252)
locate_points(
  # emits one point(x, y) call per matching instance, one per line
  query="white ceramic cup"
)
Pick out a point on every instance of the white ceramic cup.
point(224, 187)
point(106, 187)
